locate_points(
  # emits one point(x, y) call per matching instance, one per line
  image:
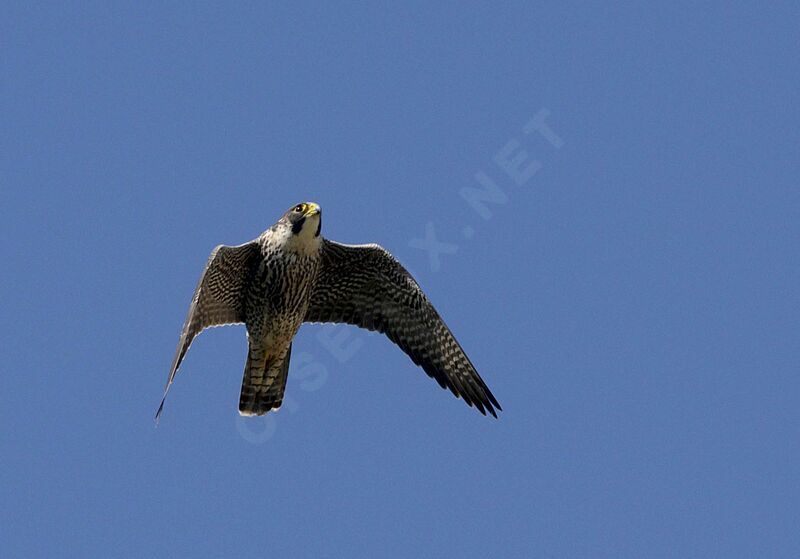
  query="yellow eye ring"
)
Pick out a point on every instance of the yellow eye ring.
point(299, 208)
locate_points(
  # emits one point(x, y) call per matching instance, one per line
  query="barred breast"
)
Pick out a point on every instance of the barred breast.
point(278, 297)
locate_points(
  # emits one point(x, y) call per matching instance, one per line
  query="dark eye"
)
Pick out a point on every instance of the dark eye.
point(299, 208)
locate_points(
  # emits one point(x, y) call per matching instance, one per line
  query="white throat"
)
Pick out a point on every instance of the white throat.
point(306, 242)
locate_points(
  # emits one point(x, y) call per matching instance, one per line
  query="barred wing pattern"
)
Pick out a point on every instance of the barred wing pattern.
point(218, 299)
point(365, 286)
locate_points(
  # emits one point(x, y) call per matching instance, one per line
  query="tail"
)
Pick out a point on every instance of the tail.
point(264, 382)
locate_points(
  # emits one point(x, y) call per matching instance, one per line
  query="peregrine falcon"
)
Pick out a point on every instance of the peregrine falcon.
point(290, 274)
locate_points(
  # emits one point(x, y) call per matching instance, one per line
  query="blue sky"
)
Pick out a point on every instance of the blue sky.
point(629, 292)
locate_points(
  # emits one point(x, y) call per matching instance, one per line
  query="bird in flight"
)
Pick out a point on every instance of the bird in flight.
point(290, 274)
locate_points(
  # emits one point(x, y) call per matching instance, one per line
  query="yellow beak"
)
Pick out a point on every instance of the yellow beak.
point(312, 209)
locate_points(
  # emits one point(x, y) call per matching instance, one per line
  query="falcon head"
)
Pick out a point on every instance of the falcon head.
point(303, 225)
point(305, 219)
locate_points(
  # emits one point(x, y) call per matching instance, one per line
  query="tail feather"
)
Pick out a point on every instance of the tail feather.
point(264, 382)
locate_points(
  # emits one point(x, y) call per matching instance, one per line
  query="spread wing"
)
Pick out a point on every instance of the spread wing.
point(218, 299)
point(365, 286)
